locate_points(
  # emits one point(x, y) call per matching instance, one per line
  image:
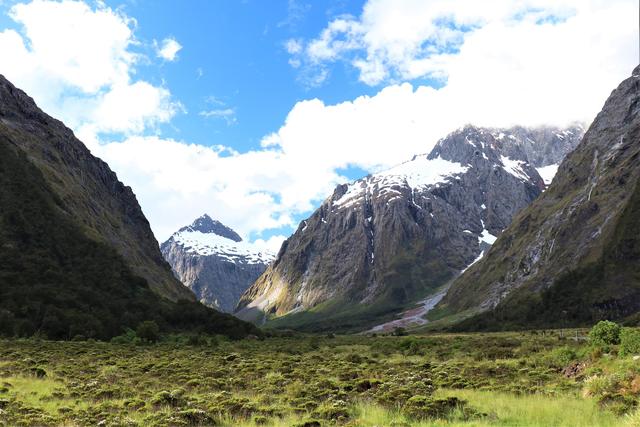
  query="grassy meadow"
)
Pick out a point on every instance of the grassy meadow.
point(499, 379)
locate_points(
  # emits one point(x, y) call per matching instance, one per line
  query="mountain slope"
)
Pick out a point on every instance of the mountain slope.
point(573, 256)
point(89, 191)
point(385, 241)
point(213, 261)
point(59, 278)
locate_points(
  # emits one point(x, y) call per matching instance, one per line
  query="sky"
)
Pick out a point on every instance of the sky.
point(253, 111)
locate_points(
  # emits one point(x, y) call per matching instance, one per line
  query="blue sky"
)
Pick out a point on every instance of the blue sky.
point(238, 47)
point(262, 107)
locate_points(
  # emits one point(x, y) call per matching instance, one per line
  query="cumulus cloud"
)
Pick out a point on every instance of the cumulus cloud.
point(168, 49)
point(496, 63)
point(399, 40)
point(252, 191)
point(77, 62)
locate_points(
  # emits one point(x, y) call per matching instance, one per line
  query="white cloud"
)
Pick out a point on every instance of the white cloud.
point(399, 40)
point(272, 244)
point(251, 192)
point(293, 46)
point(169, 49)
point(510, 69)
point(77, 62)
point(529, 63)
point(228, 114)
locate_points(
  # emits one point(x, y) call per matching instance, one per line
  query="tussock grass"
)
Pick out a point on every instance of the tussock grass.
point(500, 379)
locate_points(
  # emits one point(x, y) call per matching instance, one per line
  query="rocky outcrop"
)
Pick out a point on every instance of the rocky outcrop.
point(573, 256)
point(212, 260)
point(391, 238)
point(90, 193)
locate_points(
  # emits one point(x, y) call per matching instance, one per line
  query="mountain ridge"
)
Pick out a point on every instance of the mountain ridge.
point(392, 237)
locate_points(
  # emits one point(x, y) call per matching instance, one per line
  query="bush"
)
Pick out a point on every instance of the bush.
point(629, 341)
point(605, 333)
point(562, 356)
point(148, 331)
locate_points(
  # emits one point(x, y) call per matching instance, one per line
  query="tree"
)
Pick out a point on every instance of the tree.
point(605, 333)
point(148, 331)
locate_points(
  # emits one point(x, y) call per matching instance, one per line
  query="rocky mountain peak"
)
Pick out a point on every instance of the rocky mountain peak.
point(398, 235)
point(212, 260)
point(206, 225)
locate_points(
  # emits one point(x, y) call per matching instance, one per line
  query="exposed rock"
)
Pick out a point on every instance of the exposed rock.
point(573, 255)
point(394, 237)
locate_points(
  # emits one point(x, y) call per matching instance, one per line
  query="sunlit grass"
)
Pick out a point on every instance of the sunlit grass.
point(533, 410)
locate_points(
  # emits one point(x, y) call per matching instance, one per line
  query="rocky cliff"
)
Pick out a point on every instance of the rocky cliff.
point(384, 241)
point(213, 261)
point(573, 256)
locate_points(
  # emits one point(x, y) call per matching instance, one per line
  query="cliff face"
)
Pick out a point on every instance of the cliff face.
point(391, 238)
point(90, 193)
point(572, 257)
point(213, 261)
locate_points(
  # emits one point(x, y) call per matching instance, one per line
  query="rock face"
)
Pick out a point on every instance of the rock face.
point(89, 191)
point(213, 261)
point(391, 238)
point(573, 256)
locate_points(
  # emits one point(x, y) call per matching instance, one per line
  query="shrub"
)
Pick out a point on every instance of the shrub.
point(562, 356)
point(148, 331)
point(605, 333)
point(629, 341)
point(422, 407)
point(128, 337)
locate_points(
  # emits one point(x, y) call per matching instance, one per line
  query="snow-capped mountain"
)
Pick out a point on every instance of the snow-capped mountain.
point(213, 261)
point(391, 238)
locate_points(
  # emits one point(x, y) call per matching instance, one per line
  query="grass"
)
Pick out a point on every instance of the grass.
point(505, 409)
point(498, 379)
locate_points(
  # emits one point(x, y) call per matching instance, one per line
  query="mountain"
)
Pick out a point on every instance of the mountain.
point(213, 261)
point(92, 196)
point(573, 256)
point(77, 256)
point(383, 242)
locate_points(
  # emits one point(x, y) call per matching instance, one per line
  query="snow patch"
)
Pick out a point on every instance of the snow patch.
point(206, 244)
point(514, 167)
point(474, 261)
point(487, 237)
point(547, 173)
point(419, 173)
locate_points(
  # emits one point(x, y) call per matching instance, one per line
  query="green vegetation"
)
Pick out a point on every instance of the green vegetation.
point(538, 378)
point(57, 283)
point(605, 333)
point(597, 288)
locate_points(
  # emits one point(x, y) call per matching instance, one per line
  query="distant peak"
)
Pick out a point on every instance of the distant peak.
point(206, 225)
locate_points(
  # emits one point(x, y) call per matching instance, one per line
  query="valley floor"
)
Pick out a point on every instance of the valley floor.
point(506, 379)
